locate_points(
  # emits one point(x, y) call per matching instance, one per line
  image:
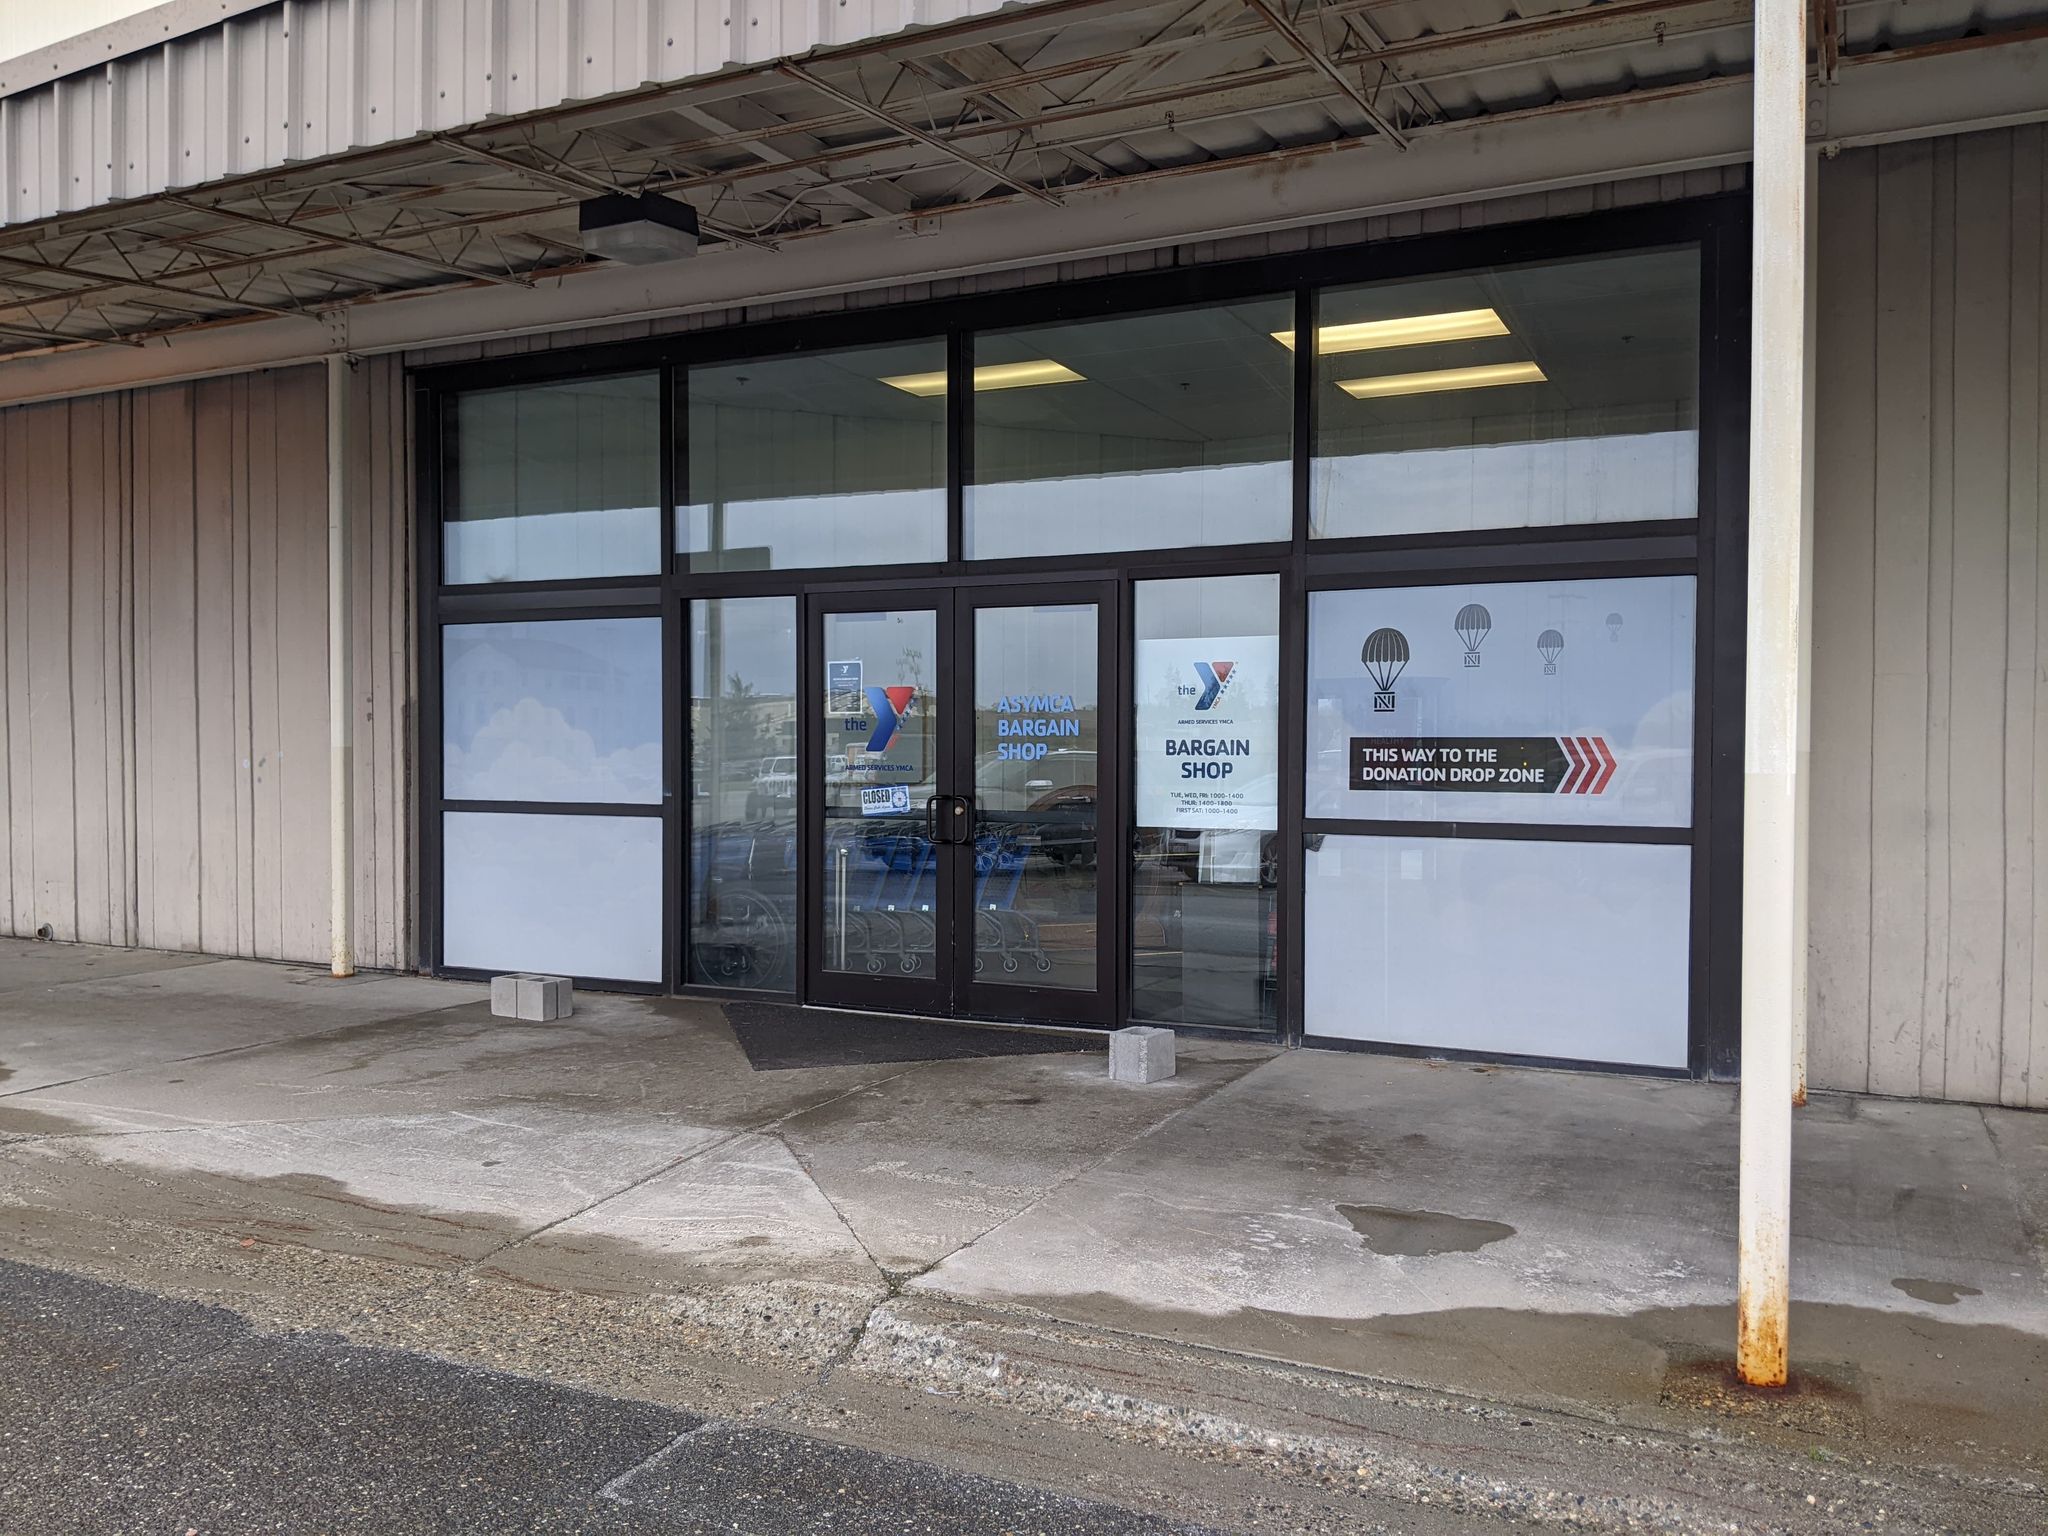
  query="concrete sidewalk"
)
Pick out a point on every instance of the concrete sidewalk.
point(1414, 1282)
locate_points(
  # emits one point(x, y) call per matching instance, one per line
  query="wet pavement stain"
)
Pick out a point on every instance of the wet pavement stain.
point(1825, 1402)
point(1406, 1234)
point(1942, 1293)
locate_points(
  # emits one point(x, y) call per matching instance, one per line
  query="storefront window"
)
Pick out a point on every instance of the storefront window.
point(575, 895)
point(1522, 701)
point(1572, 950)
point(819, 459)
point(1145, 431)
point(554, 710)
point(1514, 397)
point(1206, 694)
point(743, 793)
point(1527, 704)
point(552, 482)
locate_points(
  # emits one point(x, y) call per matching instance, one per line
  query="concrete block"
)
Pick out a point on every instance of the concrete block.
point(1141, 1054)
point(532, 997)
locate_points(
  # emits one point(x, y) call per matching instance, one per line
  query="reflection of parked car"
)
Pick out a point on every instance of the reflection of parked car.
point(1052, 796)
point(774, 781)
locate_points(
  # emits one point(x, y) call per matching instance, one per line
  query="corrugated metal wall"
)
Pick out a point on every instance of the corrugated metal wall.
point(163, 741)
point(1930, 900)
point(311, 78)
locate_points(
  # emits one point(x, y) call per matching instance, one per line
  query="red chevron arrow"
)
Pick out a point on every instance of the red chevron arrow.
point(1607, 770)
point(1592, 765)
point(1585, 784)
point(1578, 764)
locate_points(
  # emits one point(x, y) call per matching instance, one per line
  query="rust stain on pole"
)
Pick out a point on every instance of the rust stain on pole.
point(1762, 1352)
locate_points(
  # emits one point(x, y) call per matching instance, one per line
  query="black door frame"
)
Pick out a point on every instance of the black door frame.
point(952, 989)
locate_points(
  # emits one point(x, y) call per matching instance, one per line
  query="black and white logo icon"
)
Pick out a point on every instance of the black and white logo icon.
point(1551, 644)
point(1614, 626)
point(1473, 625)
point(1385, 654)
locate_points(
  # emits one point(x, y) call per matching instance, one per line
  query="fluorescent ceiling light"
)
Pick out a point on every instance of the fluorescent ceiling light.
point(994, 376)
point(1485, 376)
point(1403, 331)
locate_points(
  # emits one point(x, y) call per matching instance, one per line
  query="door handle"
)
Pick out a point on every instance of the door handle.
point(950, 825)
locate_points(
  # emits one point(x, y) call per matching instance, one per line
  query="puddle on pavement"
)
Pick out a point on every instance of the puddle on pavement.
point(1406, 1234)
point(18, 1120)
point(1942, 1293)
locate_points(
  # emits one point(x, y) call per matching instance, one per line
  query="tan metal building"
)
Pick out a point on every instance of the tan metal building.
point(204, 205)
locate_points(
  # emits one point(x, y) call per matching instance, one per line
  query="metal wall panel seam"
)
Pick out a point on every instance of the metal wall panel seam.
point(1839, 1011)
point(2023, 534)
point(1939, 577)
point(2034, 1074)
point(291, 110)
point(10, 697)
point(1982, 626)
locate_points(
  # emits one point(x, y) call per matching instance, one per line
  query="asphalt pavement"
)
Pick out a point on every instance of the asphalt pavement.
point(125, 1414)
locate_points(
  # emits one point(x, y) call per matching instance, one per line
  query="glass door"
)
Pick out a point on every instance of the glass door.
point(882, 936)
point(1034, 913)
point(960, 800)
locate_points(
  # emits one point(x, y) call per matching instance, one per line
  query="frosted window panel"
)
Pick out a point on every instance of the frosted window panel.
point(1625, 477)
point(552, 710)
point(1588, 684)
point(1138, 509)
point(1591, 415)
point(551, 482)
point(1149, 431)
point(571, 895)
point(1571, 950)
point(793, 532)
point(817, 460)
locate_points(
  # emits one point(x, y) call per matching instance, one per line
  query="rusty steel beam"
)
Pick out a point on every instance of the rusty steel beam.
point(353, 242)
point(896, 124)
point(1320, 63)
point(59, 339)
point(116, 282)
point(580, 184)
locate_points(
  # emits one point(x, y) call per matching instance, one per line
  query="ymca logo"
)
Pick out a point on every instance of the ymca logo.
point(1215, 678)
point(890, 706)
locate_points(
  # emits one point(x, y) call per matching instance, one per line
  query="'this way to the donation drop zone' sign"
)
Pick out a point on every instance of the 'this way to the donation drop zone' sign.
point(1208, 732)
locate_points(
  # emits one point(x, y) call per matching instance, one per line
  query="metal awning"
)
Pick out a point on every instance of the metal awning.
point(1033, 105)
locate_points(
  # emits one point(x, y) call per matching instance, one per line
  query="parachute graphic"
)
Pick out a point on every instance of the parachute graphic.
point(1614, 626)
point(1551, 644)
point(1385, 654)
point(1473, 625)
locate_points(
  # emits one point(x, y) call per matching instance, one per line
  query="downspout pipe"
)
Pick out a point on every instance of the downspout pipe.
point(1772, 968)
point(340, 677)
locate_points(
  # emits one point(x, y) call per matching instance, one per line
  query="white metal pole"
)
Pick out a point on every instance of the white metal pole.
point(1770, 802)
point(340, 678)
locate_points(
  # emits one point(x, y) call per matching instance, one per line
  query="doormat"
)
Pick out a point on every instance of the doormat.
point(780, 1037)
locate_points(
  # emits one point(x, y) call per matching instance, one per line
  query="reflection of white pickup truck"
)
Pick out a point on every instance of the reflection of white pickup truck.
point(775, 782)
